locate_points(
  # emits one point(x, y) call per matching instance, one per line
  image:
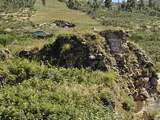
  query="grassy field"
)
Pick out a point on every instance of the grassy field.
point(33, 90)
point(55, 10)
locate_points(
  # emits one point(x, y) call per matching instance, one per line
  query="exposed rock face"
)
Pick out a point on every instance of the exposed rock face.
point(109, 50)
point(132, 62)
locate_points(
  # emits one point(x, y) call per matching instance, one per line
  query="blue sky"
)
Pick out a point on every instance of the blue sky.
point(117, 0)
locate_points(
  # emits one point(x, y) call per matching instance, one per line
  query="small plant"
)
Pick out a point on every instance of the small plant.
point(6, 39)
point(66, 47)
point(109, 77)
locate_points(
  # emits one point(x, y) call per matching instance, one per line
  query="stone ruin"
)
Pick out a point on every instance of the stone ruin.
point(103, 51)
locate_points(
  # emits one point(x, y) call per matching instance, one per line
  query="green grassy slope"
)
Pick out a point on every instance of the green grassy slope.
point(33, 90)
point(55, 10)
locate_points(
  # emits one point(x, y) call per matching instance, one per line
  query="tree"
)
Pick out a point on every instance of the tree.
point(141, 4)
point(150, 3)
point(93, 6)
point(44, 2)
point(108, 3)
point(130, 4)
point(73, 4)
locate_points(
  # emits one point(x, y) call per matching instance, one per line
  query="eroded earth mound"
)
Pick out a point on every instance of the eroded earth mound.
point(107, 50)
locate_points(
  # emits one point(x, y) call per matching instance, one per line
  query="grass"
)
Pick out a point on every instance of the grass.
point(34, 91)
point(66, 47)
point(61, 12)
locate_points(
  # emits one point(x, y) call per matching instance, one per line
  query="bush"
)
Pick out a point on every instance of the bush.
point(6, 39)
point(34, 91)
point(16, 4)
point(73, 4)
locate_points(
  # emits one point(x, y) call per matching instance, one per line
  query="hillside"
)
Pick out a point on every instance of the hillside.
point(58, 63)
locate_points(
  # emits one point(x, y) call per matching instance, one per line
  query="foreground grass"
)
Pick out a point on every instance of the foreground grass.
point(34, 91)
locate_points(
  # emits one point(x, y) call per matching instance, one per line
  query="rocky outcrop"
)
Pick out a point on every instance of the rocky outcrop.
point(104, 51)
point(76, 51)
point(131, 61)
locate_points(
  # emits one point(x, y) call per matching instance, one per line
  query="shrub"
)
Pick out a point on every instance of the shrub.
point(73, 4)
point(6, 39)
point(16, 4)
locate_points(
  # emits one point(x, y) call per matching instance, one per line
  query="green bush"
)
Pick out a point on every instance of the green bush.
point(16, 4)
point(73, 4)
point(34, 91)
point(6, 39)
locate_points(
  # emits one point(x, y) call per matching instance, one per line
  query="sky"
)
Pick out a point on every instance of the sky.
point(117, 0)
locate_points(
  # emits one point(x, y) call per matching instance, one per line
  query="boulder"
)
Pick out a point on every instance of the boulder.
point(41, 34)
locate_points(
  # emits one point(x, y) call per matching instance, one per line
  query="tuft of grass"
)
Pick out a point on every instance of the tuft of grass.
point(6, 39)
point(66, 47)
point(109, 77)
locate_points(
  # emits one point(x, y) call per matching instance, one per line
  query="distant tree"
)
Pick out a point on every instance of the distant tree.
point(123, 5)
point(150, 3)
point(73, 4)
point(141, 4)
point(108, 3)
point(130, 4)
point(44, 2)
point(93, 6)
